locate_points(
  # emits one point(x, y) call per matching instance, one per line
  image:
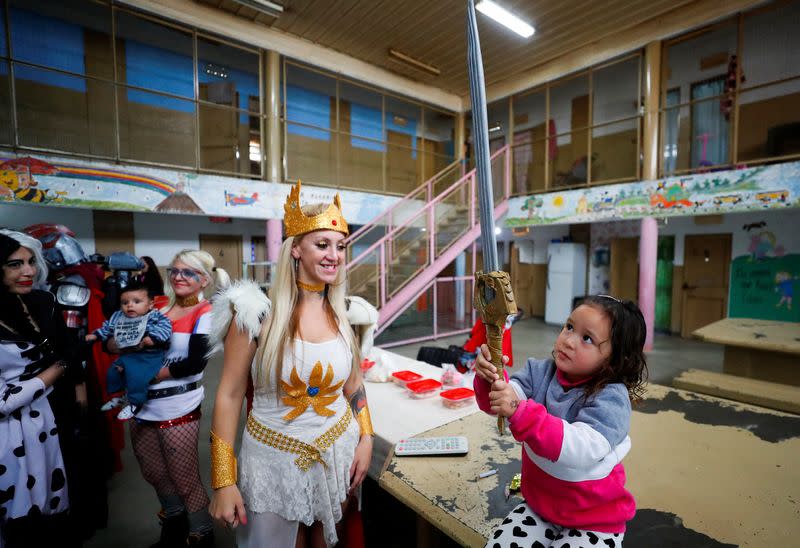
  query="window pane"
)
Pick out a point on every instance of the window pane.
point(670, 123)
point(227, 75)
point(710, 124)
point(700, 58)
point(402, 165)
point(310, 99)
point(156, 128)
point(360, 115)
point(616, 90)
point(63, 112)
point(614, 151)
point(771, 45)
point(69, 36)
point(528, 166)
point(570, 163)
point(769, 121)
point(3, 46)
point(229, 141)
point(497, 120)
point(403, 117)
point(310, 154)
point(154, 56)
point(439, 134)
point(569, 104)
point(6, 136)
point(677, 150)
point(360, 163)
point(529, 111)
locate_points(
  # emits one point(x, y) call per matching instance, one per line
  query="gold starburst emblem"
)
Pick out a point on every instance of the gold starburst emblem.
point(318, 393)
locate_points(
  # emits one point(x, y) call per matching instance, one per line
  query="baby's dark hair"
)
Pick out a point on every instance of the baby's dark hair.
point(134, 286)
point(626, 364)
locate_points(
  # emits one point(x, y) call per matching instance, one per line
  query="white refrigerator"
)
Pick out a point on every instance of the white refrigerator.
point(566, 279)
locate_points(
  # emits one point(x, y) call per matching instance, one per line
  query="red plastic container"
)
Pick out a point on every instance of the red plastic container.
point(404, 377)
point(425, 388)
point(457, 397)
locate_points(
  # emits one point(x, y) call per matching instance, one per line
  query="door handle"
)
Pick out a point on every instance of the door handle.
point(687, 286)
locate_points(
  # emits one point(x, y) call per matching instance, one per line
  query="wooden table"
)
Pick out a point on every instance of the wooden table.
point(760, 349)
point(704, 471)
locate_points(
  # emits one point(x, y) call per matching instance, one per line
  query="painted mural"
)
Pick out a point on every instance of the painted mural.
point(764, 187)
point(63, 182)
point(764, 281)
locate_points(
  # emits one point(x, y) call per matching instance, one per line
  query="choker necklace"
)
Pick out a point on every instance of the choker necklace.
point(186, 302)
point(314, 288)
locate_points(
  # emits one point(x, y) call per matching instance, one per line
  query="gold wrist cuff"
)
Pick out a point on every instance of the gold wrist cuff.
point(223, 463)
point(365, 422)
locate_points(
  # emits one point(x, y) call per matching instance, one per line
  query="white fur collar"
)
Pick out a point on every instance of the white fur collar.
point(243, 300)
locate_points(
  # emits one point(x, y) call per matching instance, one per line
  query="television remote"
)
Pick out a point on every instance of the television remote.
point(446, 445)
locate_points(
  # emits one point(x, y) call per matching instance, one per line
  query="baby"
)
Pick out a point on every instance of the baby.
point(145, 332)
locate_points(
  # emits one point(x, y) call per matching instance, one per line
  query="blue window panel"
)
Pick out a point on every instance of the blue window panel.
point(366, 122)
point(410, 128)
point(47, 41)
point(49, 78)
point(159, 69)
point(160, 101)
point(3, 48)
point(307, 107)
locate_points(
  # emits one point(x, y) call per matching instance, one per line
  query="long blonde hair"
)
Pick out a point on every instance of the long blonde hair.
point(281, 327)
point(203, 262)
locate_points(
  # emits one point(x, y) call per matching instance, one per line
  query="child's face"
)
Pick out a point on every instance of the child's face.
point(135, 303)
point(584, 342)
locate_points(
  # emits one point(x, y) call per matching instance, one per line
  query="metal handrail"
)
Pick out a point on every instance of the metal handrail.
point(383, 248)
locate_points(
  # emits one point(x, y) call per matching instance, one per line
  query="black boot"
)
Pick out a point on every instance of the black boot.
point(205, 540)
point(174, 530)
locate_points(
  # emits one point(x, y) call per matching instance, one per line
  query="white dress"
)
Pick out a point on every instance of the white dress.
point(269, 479)
point(32, 479)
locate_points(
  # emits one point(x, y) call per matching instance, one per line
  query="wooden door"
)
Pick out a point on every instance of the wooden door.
point(226, 250)
point(624, 269)
point(706, 265)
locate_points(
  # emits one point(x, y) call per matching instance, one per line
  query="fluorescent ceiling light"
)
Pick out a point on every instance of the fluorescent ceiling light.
point(264, 6)
point(494, 128)
point(505, 18)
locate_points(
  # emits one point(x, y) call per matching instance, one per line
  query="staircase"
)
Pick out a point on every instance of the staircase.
point(398, 255)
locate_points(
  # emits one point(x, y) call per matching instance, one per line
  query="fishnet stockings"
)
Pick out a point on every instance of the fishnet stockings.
point(169, 462)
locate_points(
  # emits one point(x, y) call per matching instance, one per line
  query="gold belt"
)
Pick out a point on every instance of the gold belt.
point(308, 453)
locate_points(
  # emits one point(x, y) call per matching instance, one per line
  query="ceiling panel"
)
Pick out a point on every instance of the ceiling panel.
point(434, 32)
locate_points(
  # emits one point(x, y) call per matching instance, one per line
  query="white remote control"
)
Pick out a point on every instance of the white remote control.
point(446, 445)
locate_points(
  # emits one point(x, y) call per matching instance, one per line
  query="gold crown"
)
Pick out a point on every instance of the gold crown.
point(297, 223)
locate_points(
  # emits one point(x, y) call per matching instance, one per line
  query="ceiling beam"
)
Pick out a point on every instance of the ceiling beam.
point(226, 24)
point(670, 24)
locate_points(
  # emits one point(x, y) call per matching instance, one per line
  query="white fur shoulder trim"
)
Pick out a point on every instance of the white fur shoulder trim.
point(243, 300)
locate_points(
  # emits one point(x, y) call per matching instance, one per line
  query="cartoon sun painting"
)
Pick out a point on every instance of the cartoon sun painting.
point(318, 393)
point(558, 201)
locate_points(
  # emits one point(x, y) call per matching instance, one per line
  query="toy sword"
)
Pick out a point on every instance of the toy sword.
point(494, 298)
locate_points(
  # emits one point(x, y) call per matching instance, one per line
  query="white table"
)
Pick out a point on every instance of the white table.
point(395, 416)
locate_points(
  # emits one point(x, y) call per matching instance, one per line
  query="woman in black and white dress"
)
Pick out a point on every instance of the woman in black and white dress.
point(33, 345)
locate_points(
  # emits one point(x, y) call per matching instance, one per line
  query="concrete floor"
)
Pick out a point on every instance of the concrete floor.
point(133, 504)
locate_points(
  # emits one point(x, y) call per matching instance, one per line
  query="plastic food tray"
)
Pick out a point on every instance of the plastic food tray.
point(404, 377)
point(457, 397)
point(425, 388)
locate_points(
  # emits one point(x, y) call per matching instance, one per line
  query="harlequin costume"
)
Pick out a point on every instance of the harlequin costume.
point(300, 439)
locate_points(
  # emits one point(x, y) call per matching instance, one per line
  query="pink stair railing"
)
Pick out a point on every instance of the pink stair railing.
point(397, 268)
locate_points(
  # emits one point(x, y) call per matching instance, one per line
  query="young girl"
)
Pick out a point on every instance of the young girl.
point(572, 415)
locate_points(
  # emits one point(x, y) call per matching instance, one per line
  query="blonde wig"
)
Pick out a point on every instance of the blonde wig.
point(204, 263)
point(281, 326)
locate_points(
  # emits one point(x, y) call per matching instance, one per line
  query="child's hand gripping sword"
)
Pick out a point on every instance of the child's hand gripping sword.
point(494, 298)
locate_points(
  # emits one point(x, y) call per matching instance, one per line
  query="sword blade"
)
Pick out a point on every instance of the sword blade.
point(480, 138)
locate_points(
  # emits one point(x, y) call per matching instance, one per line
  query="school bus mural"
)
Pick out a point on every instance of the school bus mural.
point(773, 196)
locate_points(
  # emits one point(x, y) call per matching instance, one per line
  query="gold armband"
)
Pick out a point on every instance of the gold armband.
point(365, 422)
point(223, 463)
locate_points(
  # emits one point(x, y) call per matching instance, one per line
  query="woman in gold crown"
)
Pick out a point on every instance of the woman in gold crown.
point(307, 444)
